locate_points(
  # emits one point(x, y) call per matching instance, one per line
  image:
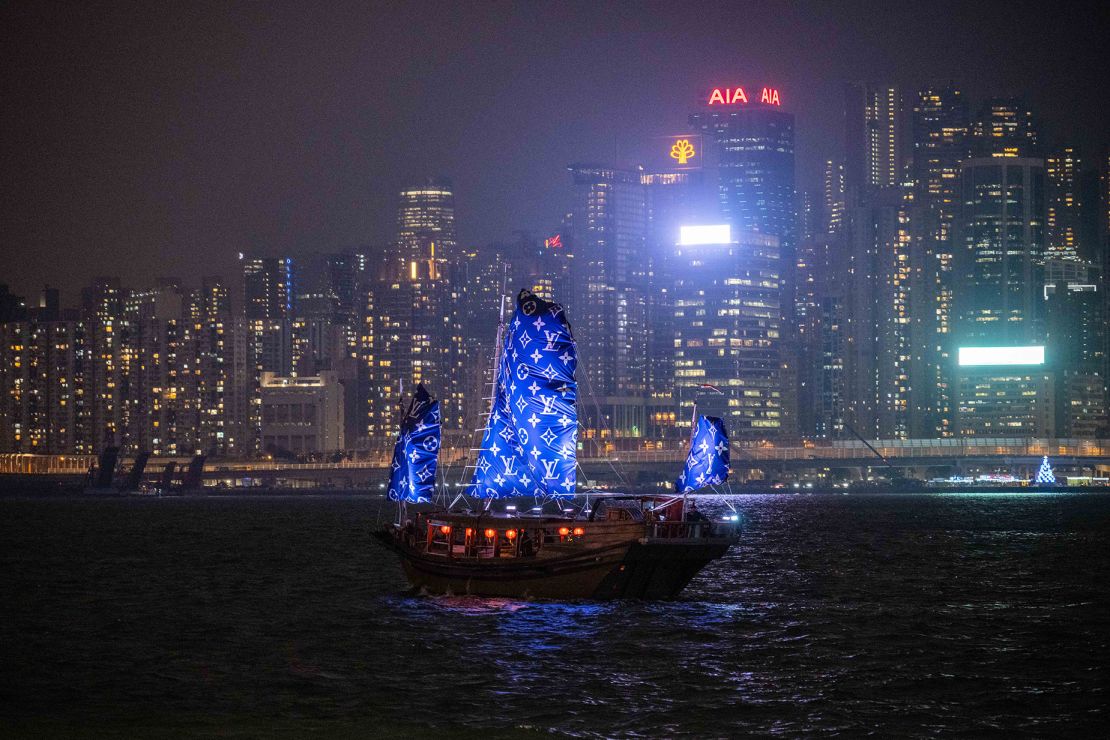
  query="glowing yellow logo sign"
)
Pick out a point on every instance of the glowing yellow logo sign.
point(682, 151)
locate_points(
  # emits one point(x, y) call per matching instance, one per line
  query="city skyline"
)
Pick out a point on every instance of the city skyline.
point(312, 159)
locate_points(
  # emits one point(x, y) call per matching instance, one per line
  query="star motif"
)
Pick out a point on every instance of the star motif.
point(535, 452)
point(535, 355)
point(534, 387)
point(565, 357)
point(721, 447)
point(495, 449)
point(538, 323)
point(533, 420)
point(498, 479)
point(549, 373)
point(525, 480)
point(564, 420)
point(521, 404)
point(484, 465)
point(412, 456)
point(524, 340)
point(548, 436)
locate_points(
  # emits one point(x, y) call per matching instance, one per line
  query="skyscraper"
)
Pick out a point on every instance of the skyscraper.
point(1004, 127)
point(727, 330)
point(940, 144)
point(873, 138)
point(426, 221)
point(751, 139)
point(1064, 215)
point(1000, 251)
point(608, 306)
point(999, 296)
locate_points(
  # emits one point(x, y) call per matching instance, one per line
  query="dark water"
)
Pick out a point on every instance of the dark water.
point(904, 615)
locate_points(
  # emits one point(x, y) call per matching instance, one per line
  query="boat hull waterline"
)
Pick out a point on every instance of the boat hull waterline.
point(638, 569)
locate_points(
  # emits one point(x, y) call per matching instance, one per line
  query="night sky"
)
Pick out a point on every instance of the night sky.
point(148, 139)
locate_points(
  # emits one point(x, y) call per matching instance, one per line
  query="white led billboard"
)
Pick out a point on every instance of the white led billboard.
point(704, 234)
point(1000, 356)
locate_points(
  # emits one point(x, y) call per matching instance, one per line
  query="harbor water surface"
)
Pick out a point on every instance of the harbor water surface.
point(277, 616)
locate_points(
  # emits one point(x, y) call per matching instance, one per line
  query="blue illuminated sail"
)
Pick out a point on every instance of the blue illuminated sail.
point(531, 438)
point(413, 470)
point(707, 461)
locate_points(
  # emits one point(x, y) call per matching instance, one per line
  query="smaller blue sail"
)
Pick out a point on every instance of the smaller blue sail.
point(415, 456)
point(707, 463)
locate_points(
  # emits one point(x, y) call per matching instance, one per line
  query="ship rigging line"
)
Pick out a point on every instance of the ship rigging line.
point(621, 476)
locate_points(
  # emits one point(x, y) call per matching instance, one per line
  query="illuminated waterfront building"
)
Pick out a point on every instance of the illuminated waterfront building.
point(43, 360)
point(1076, 338)
point(1004, 391)
point(1000, 251)
point(941, 143)
point(108, 363)
point(302, 415)
point(999, 298)
point(727, 330)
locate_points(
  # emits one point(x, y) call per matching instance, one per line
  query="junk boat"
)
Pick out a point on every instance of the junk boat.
point(560, 546)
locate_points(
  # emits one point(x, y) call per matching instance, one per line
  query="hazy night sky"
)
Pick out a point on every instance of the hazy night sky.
point(147, 139)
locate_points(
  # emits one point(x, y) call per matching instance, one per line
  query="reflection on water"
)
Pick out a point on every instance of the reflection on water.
point(865, 613)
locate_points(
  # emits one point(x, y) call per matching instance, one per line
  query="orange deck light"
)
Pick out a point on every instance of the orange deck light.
point(578, 531)
point(510, 533)
point(469, 531)
point(445, 529)
point(491, 533)
point(564, 531)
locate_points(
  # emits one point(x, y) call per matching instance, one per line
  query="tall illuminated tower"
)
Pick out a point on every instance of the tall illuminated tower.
point(941, 143)
point(608, 310)
point(1063, 218)
point(426, 224)
point(751, 139)
point(873, 138)
point(728, 330)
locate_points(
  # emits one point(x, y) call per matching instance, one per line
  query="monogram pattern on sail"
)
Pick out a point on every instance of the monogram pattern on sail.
point(413, 469)
point(530, 440)
point(707, 463)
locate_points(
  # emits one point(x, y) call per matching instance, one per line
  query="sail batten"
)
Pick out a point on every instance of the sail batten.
point(707, 462)
point(415, 455)
point(529, 445)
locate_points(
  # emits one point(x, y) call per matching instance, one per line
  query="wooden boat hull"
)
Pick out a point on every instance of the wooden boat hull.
point(633, 569)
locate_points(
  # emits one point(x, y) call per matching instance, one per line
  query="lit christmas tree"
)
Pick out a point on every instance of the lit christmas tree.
point(1045, 474)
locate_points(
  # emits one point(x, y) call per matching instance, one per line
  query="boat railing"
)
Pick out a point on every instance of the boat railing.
point(692, 530)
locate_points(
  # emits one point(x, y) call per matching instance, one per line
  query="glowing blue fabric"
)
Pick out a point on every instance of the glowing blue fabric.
point(415, 455)
point(530, 443)
point(707, 462)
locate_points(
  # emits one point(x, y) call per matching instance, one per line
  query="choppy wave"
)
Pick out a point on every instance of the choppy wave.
point(836, 615)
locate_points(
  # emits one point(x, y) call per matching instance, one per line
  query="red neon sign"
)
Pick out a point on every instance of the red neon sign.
point(555, 242)
point(737, 96)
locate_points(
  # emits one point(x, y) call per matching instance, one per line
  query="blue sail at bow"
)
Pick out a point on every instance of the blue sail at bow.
point(707, 463)
point(530, 441)
point(413, 473)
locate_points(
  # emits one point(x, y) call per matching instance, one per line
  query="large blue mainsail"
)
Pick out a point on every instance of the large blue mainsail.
point(529, 447)
point(415, 454)
point(707, 464)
